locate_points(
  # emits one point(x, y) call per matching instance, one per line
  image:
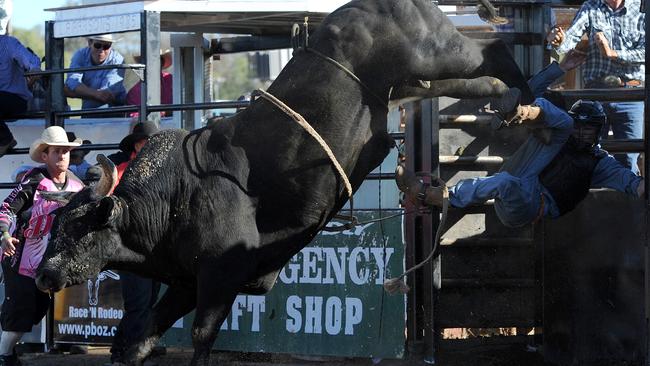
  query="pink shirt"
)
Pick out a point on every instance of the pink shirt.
point(133, 96)
point(37, 233)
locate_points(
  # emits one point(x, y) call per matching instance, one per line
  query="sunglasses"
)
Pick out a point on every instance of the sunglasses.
point(103, 46)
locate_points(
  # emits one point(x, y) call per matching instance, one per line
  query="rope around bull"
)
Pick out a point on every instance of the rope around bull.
point(392, 285)
point(304, 124)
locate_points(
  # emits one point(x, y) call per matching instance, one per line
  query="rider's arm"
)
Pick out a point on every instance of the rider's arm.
point(610, 173)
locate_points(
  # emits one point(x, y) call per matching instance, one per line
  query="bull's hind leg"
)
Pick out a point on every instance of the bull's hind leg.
point(219, 282)
point(174, 304)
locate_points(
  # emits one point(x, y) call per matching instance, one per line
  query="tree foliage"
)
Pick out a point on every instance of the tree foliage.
point(231, 77)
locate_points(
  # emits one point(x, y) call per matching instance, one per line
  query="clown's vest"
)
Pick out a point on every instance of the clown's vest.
point(568, 176)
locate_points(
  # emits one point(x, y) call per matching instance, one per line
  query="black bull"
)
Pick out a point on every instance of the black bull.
point(220, 210)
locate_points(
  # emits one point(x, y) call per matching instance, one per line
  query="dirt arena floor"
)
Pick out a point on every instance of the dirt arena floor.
point(484, 356)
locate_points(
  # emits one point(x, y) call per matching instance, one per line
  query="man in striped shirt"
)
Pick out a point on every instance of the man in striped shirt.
point(615, 58)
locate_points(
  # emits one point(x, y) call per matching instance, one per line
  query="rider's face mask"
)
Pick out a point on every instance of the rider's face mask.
point(588, 121)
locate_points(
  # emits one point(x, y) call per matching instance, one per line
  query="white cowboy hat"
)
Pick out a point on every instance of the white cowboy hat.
point(104, 38)
point(51, 136)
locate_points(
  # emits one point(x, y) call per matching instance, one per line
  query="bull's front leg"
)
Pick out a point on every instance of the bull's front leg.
point(219, 282)
point(481, 87)
point(177, 301)
point(463, 58)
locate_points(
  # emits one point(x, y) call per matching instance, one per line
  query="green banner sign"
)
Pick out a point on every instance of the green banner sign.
point(328, 300)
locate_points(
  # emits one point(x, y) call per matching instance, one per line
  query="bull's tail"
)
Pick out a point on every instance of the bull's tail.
point(488, 13)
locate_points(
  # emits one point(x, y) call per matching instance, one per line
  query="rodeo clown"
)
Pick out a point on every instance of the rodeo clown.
point(543, 178)
point(25, 222)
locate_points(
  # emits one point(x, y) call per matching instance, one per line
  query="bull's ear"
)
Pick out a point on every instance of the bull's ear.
point(61, 197)
point(107, 211)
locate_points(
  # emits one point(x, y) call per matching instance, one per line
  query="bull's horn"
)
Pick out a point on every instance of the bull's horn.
point(108, 180)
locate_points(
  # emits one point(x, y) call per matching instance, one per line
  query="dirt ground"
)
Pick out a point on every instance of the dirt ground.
point(484, 356)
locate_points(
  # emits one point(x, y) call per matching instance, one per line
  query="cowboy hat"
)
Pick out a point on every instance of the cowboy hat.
point(104, 38)
point(51, 136)
point(141, 130)
point(165, 59)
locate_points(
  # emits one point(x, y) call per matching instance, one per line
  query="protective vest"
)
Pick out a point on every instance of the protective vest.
point(568, 176)
point(26, 203)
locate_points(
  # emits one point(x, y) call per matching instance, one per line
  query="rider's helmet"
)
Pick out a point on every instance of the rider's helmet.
point(588, 121)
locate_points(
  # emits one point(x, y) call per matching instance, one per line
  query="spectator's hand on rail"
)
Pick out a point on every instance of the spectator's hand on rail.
point(573, 59)
point(32, 79)
point(9, 245)
point(603, 45)
point(556, 36)
point(104, 96)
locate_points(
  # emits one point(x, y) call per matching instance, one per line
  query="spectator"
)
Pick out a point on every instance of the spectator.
point(15, 60)
point(139, 293)
point(25, 241)
point(615, 58)
point(100, 88)
point(134, 94)
point(78, 164)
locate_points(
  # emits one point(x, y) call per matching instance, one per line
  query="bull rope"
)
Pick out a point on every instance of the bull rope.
point(304, 124)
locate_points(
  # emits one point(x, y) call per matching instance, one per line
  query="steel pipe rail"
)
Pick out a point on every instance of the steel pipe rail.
point(500, 242)
point(155, 108)
point(478, 160)
point(87, 68)
point(28, 115)
point(89, 147)
point(483, 282)
point(603, 95)
point(623, 146)
point(197, 106)
point(382, 176)
point(451, 119)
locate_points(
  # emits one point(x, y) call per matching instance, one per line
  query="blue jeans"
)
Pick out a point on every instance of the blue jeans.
point(516, 200)
point(626, 121)
point(516, 190)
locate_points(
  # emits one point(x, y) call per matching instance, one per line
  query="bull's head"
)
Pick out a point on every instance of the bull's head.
point(84, 234)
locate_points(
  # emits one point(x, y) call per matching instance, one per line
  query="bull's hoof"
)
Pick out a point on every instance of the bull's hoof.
point(497, 20)
point(490, 16)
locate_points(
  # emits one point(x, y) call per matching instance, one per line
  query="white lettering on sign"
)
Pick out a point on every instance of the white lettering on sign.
point(95, 312)
point(310, 272)
point(338, 315)
point(333, 315)
point(313, 314)
point(254, 305)
point(328, 266)
point(105, 24)
point(74, 312)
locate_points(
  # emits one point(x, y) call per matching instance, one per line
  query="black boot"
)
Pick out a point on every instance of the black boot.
point(415, 190)
point(10, 360)
point(505, 107)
